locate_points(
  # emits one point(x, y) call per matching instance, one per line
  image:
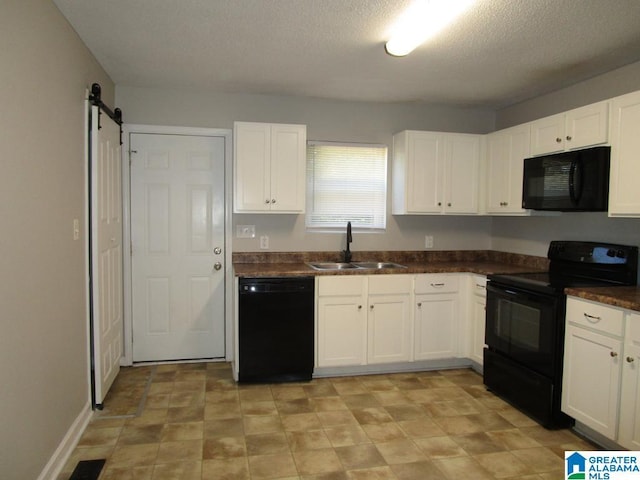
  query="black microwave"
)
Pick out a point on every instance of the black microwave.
point(575, 181)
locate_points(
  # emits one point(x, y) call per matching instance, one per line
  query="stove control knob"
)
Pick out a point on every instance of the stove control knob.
point(611, 253)
point(621, 254)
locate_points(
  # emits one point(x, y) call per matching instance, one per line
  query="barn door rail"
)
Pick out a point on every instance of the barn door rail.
point(115, 115)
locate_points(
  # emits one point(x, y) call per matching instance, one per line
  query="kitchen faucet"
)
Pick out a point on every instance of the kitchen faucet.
point(347, 253)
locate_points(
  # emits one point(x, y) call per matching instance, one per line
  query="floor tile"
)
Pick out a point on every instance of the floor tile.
point(197, 423)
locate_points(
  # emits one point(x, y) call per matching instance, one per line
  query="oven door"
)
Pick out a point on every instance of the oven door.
point(525, 326)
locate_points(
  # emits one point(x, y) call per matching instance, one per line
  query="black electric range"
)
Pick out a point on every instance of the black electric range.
point(525, 323)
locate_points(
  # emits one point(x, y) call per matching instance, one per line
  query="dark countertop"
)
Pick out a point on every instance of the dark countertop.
point(302, 269)
point(484, 262)
point(623, 297)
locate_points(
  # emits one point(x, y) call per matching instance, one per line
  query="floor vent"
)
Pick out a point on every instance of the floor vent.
point(88, 470)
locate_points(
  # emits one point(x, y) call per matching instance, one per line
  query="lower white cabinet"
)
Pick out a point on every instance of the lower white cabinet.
point(601, 382)
point(477, 298)
point(436, 316)
point(363, 319)
point(629, 433)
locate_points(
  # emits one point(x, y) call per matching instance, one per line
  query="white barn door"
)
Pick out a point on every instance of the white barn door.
point(106, 252)
point(178, 246)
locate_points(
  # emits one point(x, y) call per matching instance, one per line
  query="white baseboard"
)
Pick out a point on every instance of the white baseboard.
point(58, 460)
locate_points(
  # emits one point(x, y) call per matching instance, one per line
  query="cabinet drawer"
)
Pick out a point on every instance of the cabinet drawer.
point(436, 283)
point(596, 316)
point(341, 285)
point(390, 284)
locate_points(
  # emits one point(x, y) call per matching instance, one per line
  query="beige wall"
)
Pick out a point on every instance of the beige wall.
point(43, 344)
point(325, 120)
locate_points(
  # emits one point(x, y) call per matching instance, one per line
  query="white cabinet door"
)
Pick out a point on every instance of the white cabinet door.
point(624, 194)
point(461, 174)
point(587, 126)
point(477, 314)
point(506, 151)
point(342, 321)
point(270, 167)
point(591, 379)
point(389, 328)
point(435, 173)
point(579, 128)
point(418, 171)
point(252, 172)
point(547, 135)
point(288, 167)
point(629, 431)
point(436, 316)
point(435, 319)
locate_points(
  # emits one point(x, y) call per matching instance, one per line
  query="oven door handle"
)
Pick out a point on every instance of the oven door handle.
point(503, 290)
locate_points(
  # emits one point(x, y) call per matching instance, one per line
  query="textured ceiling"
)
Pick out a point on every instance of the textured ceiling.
point(499, 53)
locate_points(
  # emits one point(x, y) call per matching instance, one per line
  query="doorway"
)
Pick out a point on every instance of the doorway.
point(179, 268)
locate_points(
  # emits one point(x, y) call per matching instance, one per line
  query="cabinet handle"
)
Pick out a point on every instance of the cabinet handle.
point(569, 137)
point(359, 307)
point(439, 204)
point(273, 200)
point(371, 307)
point(449, 204)
point(267, 201)
point(437, 285)
point(419, 304)
point(558, 140)
point(591, 318)
point(630, 359)
point(613, 354)
point(478, 285)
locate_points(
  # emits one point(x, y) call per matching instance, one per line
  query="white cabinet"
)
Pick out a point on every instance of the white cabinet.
point(624, 194)
point(506, 151)
point(342, 321)
point(477, 298)
point(592, 361)
point(436, 316)
point(629, 433)
point(389, 319)
point(435, 172)
point(269, 167)
point(364, 319)
point(578, 128)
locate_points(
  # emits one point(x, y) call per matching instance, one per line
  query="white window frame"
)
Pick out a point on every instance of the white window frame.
point(343, 209)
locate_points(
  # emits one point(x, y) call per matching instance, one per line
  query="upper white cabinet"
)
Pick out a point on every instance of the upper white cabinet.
point(578, 128)
point(505, 152)
point(269, 167)
point(624, 194)
point(435, 173)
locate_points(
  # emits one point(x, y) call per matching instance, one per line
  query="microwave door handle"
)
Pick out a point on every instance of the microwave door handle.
point(576, 166)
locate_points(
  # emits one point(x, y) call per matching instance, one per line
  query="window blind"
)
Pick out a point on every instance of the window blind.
point(346, 182)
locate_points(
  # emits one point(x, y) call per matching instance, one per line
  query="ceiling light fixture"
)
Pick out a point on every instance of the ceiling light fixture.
point(421, 21)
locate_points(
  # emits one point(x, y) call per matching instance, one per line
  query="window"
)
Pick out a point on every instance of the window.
point(346, 182)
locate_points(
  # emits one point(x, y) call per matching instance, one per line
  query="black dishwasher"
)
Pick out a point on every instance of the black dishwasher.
point(275, 331)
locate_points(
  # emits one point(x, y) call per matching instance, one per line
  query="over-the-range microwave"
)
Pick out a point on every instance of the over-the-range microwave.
point(569, 181)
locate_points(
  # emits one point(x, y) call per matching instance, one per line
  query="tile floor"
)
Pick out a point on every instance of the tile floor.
point(192, 421)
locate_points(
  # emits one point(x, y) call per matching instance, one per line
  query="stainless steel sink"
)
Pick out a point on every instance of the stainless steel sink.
point(379, 265)
point(332, 266)
point(354, 265)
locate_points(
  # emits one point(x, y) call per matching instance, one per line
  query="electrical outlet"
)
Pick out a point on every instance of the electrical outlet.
point(428, 241)
point(264, 242)
point(76, 229)
point(245, 231)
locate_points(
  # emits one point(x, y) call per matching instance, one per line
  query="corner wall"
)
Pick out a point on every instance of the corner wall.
point(43, 345)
